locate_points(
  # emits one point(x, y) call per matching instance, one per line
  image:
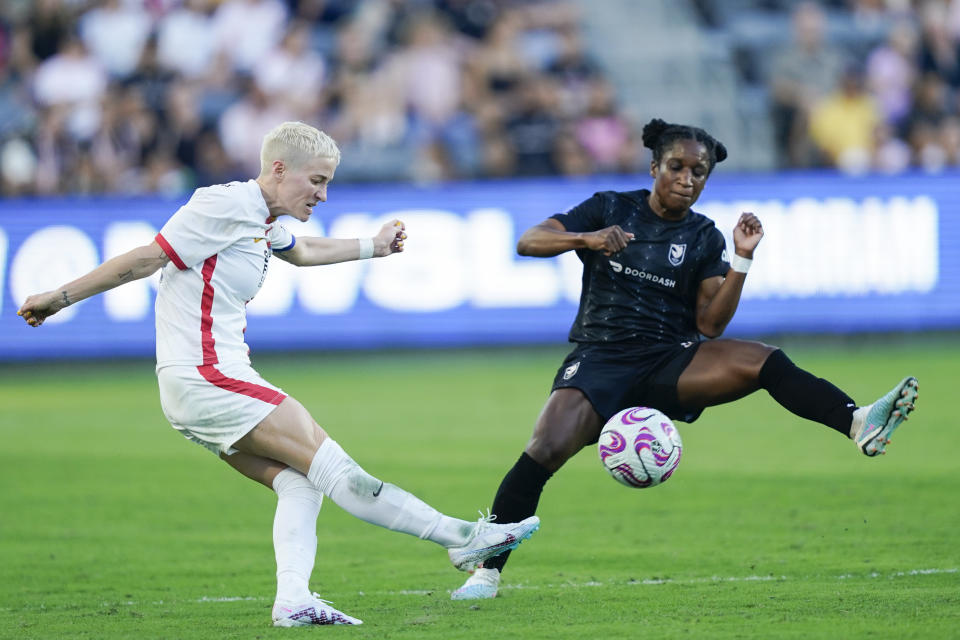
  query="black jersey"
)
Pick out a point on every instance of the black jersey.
point(646, 293)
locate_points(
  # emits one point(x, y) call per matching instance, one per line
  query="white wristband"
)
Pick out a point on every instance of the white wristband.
point(740, 264)
point(366, 248)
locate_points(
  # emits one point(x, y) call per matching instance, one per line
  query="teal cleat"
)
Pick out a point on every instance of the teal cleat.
point(885, 415)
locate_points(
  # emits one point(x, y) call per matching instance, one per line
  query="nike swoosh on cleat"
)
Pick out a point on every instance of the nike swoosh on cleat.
point(510, 539)
point(379, 489)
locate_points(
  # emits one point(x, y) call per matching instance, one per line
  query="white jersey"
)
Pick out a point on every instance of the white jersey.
point(219, 244)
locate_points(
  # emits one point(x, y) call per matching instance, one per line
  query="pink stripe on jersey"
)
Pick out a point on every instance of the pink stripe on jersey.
point(214, 377)
point(206, 316)
point(167, 249)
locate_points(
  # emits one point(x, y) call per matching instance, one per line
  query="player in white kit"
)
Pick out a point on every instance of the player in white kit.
point(214, 253)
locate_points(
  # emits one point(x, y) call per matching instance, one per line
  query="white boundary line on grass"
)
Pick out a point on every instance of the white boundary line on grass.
point(873, 575)
point(645, 582)
point(711, 579)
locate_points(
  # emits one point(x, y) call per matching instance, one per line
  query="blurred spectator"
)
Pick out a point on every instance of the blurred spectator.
point(130, 133)
point(496, 69)
point(953, 19)
point(571, 158)
point(75, 82)
point(843, 125)
point(891, 155)
point(50, 23)
point(931, 109)
point(185, 42)
point(532, 130)
point(291, 73)
point(152, 78)
point(163, 174)
point(71, 76)
point(892, 70)
point(321, 12)
point(603, 133)
point(19, 62)
point(17, 116)
point(573, 70)
point(800, 77)
point(939, 50)
point(18, 167)
point(245, 30)
point(115, 33)
point(950, 139)
point(183, 124)
point(429, 68)
point(372, 129)
point(244, 124)
point(212, 165)
point(473, 18)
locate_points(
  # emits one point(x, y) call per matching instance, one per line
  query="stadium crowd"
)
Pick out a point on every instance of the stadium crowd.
point(863, 85)
point(163, 95)
point(144, 96)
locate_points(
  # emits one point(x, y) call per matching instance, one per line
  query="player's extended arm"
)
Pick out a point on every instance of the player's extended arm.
point(550, 238)
point(719, 297)
point(311, 250)
point(132, 265)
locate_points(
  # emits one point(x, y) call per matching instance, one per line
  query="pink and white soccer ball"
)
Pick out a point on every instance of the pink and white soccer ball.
point(640, 447)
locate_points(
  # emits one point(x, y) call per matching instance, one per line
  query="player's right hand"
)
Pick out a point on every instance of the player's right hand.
point(609, 240)
point(39, 307)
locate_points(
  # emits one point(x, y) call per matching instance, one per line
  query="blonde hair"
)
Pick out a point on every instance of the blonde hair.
point(296, 142)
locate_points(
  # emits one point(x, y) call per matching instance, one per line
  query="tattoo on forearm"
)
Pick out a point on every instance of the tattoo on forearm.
point(66, 298)
point(126, 276)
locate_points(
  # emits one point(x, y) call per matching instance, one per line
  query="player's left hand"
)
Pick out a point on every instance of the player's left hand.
point(747, 234)
point(389, 239)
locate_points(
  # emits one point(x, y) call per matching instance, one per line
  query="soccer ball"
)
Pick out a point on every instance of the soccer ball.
point(640, 447)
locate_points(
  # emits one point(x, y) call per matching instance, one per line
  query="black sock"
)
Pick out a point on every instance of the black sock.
point(806, 395)
point(517, 498)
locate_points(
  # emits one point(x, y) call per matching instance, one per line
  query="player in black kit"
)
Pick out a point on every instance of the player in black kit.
point(656, 280)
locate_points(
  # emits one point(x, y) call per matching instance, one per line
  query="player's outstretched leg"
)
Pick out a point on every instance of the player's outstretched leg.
point(337, 475)
point(874, 424)
point(489, 540)
point(312, 611)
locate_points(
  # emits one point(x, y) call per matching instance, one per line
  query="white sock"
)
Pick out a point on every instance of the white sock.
point(360, 494)
point(295, 534)
point(859, 419)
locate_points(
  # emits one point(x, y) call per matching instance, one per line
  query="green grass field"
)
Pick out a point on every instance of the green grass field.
point(113, 526)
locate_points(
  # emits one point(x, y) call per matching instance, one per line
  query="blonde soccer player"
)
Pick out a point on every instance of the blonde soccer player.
point(214, 253)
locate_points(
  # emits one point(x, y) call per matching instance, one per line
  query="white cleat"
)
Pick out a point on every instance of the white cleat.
point(482, 585)
point(311, 612)
point(490, 540)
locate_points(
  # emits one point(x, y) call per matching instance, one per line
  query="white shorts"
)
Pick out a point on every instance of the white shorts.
point(216, 405)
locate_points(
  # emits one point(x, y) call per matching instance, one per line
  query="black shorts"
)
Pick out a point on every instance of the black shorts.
point(617, 376)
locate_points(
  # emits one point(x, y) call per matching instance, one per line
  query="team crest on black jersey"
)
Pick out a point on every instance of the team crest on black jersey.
point(677, 253)
point(571, 371)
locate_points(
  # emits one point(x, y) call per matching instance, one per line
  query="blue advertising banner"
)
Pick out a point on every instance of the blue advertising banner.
point(839, 255)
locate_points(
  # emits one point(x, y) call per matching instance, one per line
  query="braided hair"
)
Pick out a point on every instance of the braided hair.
point(659, 136)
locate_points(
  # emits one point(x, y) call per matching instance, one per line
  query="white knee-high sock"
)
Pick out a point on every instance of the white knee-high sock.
point(295, 533)
point(360, 494)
